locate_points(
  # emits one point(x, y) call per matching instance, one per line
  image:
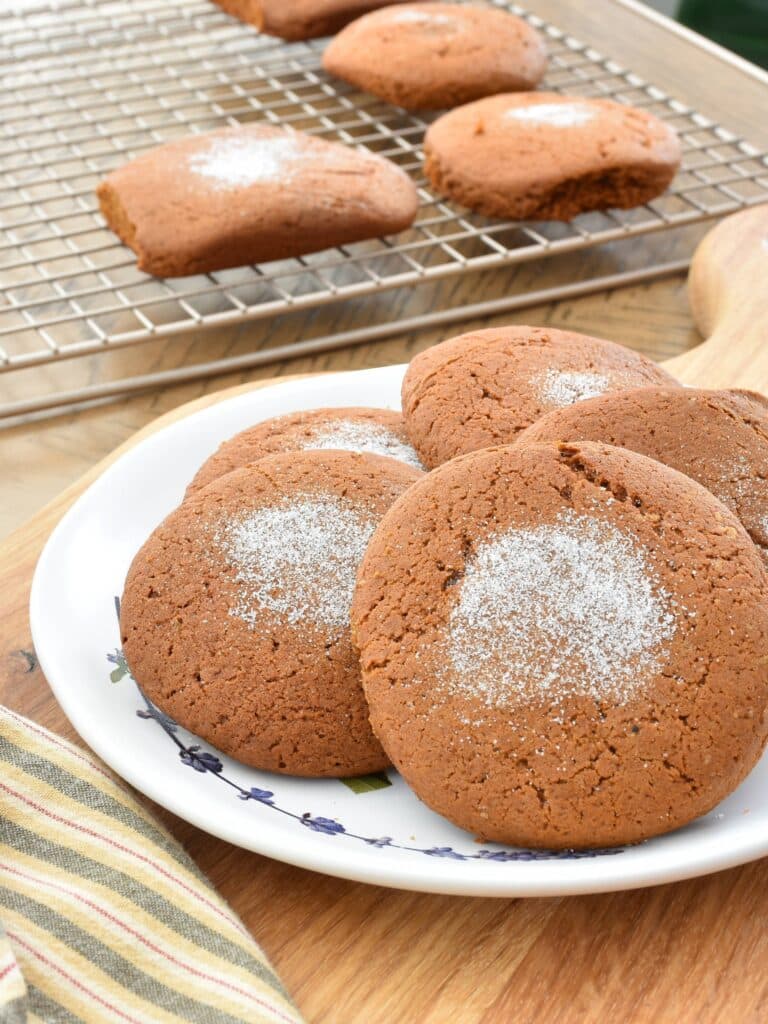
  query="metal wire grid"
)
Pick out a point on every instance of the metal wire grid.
point(89, 84)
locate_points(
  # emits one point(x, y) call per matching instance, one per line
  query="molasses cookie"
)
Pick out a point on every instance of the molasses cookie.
point(250, 194)
point(299, 19)
point(719, 438)
point(564, 646)
point(544, 156)
point(235, 614)
point(433, 55)
point(483, 388)
point(378, 431)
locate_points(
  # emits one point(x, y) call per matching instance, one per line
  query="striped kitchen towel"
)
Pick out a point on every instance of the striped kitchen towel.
point(104, 916)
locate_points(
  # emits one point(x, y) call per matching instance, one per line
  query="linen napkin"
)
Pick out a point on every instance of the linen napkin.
point(104, 916)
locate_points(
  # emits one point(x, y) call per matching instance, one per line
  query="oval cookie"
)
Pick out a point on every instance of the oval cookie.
point(235, 614)
point(544, 156)
point(564, 647)
point(250, 194)
point(433, 55)
point(484, 387)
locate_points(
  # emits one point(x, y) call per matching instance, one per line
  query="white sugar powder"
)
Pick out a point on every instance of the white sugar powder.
point(744, 491)
point(741, 480)
point(235, 161)
point(362, 436)
point(568, 608)
point(298, 560)
point(425, 18)
point(564, 387)
point(558, 115)
point(741, 487)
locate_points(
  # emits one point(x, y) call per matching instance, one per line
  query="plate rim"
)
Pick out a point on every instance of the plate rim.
point(319, 853)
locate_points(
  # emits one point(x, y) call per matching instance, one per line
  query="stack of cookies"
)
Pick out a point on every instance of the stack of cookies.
point(257, 192)
point(540, 592)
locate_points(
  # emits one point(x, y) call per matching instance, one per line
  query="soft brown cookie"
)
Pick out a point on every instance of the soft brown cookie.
point(543, 156)
point(483, 388)
point(564, 646)
point(427, 56)
point(235, 614)
point(357, 429)
point(250, 194)
point(299, 19)
point(719, 438)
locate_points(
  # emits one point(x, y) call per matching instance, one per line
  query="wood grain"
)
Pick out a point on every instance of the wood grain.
point(727, 292)
point(692, 953)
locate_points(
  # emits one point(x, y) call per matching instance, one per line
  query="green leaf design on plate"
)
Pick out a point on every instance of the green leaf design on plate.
point(367, 783)
point(121, 666)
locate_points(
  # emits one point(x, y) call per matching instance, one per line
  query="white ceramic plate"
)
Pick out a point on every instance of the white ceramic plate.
point(384, 835)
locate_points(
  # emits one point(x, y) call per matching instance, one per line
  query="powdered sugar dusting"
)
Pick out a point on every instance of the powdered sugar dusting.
point(564, 387)
point(236, 161)
point(297, 561)
point(568, 608)
point(424, 18)
point(741, 478)
point(745, 492)
point(362, 436)
point(558, 115)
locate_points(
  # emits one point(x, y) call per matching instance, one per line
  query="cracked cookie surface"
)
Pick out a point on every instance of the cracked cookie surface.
point(235, 613)
point(718, 438)
point(564, 645)
point(484, 387)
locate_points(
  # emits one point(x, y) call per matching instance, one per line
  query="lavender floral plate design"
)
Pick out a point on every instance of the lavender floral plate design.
point(373, 830)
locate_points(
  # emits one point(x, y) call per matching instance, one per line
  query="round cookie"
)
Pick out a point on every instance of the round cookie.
point(250, 194)
point(427, 56)
point(544, 156)
point(484, 387)
point(235, 613)
point(564, 646)
point(719, 438)
point(357, 429)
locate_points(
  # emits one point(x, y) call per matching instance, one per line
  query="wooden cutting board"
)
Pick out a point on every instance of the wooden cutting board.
point(356, 954)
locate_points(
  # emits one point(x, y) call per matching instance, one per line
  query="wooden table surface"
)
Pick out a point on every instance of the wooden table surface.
point(356, 954)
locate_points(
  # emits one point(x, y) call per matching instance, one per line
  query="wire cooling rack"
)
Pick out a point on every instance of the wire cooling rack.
point(88, 84)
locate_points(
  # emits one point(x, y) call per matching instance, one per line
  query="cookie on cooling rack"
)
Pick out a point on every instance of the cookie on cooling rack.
point(250, 194)
point(719, 438)
point(358, 429)
point(435, 55)
point(299, 19)
point(564, 646)
point(545, 156)
point(235, 614)
point(483, 388)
